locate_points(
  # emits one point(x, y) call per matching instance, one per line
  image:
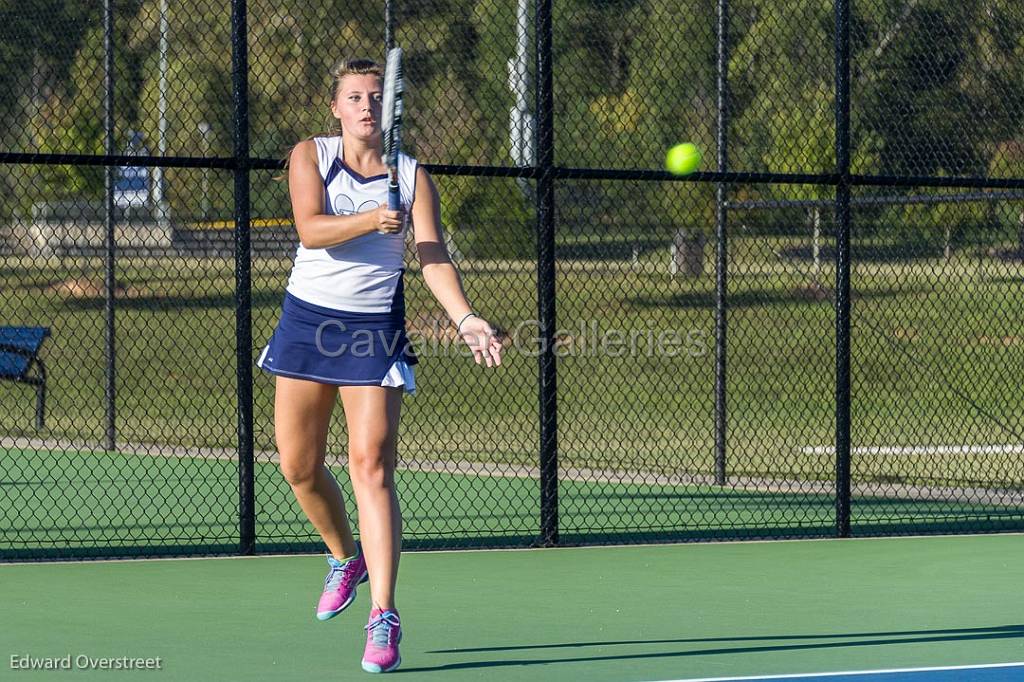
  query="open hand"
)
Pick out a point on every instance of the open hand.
point(483, 339)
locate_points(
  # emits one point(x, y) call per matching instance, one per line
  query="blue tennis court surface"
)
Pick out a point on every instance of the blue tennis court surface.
point(1001, 672)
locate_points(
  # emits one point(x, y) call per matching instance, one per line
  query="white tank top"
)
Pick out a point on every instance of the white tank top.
point(362, 274)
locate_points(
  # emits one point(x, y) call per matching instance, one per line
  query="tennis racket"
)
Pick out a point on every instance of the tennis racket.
point(391, 123)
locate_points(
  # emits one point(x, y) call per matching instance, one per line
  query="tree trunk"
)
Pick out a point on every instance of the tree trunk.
point(688, 253)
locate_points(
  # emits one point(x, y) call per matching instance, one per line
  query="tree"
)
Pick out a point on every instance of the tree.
point(39, 39)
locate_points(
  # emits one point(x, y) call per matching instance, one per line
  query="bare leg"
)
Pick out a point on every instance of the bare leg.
point(372, 414)
point(302, 414)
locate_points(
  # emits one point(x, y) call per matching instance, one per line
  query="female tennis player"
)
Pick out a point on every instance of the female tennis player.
point(342, 332)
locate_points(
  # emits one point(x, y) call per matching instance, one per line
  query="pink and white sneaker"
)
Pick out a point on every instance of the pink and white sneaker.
point(340, 584)
point(383, 633)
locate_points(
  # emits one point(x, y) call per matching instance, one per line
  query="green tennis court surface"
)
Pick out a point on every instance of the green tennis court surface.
point(999, 672)
point(668, 612)
point(65, 504)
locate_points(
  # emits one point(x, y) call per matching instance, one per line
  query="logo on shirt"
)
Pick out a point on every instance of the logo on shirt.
point(343, 205)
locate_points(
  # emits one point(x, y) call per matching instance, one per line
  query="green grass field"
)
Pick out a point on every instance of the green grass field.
point(936, 353)
point(928, 336)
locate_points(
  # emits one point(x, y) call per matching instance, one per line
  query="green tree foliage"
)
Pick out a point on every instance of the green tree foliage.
point(39, 44)
point(938, 93)
point(782, 82)
point(935, 88)
point(943, 88)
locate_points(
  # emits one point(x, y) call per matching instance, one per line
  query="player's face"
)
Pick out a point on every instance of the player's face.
point(357, 105)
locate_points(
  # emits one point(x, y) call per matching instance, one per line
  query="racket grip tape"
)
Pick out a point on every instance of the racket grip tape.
point(394, 197)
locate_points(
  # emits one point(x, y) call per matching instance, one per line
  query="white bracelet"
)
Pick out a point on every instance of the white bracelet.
point(458, 327)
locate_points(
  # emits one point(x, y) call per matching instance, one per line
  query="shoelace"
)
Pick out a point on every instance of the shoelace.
point(381, 626)
point(340, 574)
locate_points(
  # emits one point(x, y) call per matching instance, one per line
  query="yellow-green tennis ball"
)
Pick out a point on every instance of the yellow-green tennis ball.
point(682, 159)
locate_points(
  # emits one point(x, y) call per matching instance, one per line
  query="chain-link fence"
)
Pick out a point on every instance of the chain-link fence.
point(816, 334)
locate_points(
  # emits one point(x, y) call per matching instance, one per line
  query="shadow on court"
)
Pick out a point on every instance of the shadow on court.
point(870, 639)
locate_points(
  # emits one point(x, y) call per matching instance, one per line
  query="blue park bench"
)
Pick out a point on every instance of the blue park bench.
point(19, 348)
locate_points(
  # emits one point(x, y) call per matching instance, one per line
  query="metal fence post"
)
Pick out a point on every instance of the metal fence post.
point(243, 284)
point(721, 252)
point(548, 398)
point(842, 146)
point(110, 246)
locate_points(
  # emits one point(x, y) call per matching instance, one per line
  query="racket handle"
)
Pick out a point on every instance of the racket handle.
point(394, 197)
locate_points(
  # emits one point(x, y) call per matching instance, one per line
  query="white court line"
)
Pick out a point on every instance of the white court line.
point(847, 673)
point(920, 450)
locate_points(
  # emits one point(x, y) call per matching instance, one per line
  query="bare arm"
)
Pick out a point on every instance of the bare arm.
point(316, 229)
point(438, 271)
point(441, 276)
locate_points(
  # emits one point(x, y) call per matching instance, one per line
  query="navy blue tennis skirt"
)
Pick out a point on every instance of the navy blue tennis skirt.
point(339, 347)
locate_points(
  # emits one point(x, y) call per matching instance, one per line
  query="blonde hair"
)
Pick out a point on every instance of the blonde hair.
point(341, 68)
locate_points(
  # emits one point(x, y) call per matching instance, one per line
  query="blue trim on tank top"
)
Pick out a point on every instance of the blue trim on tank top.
point(340, 165)
point(332, 173)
